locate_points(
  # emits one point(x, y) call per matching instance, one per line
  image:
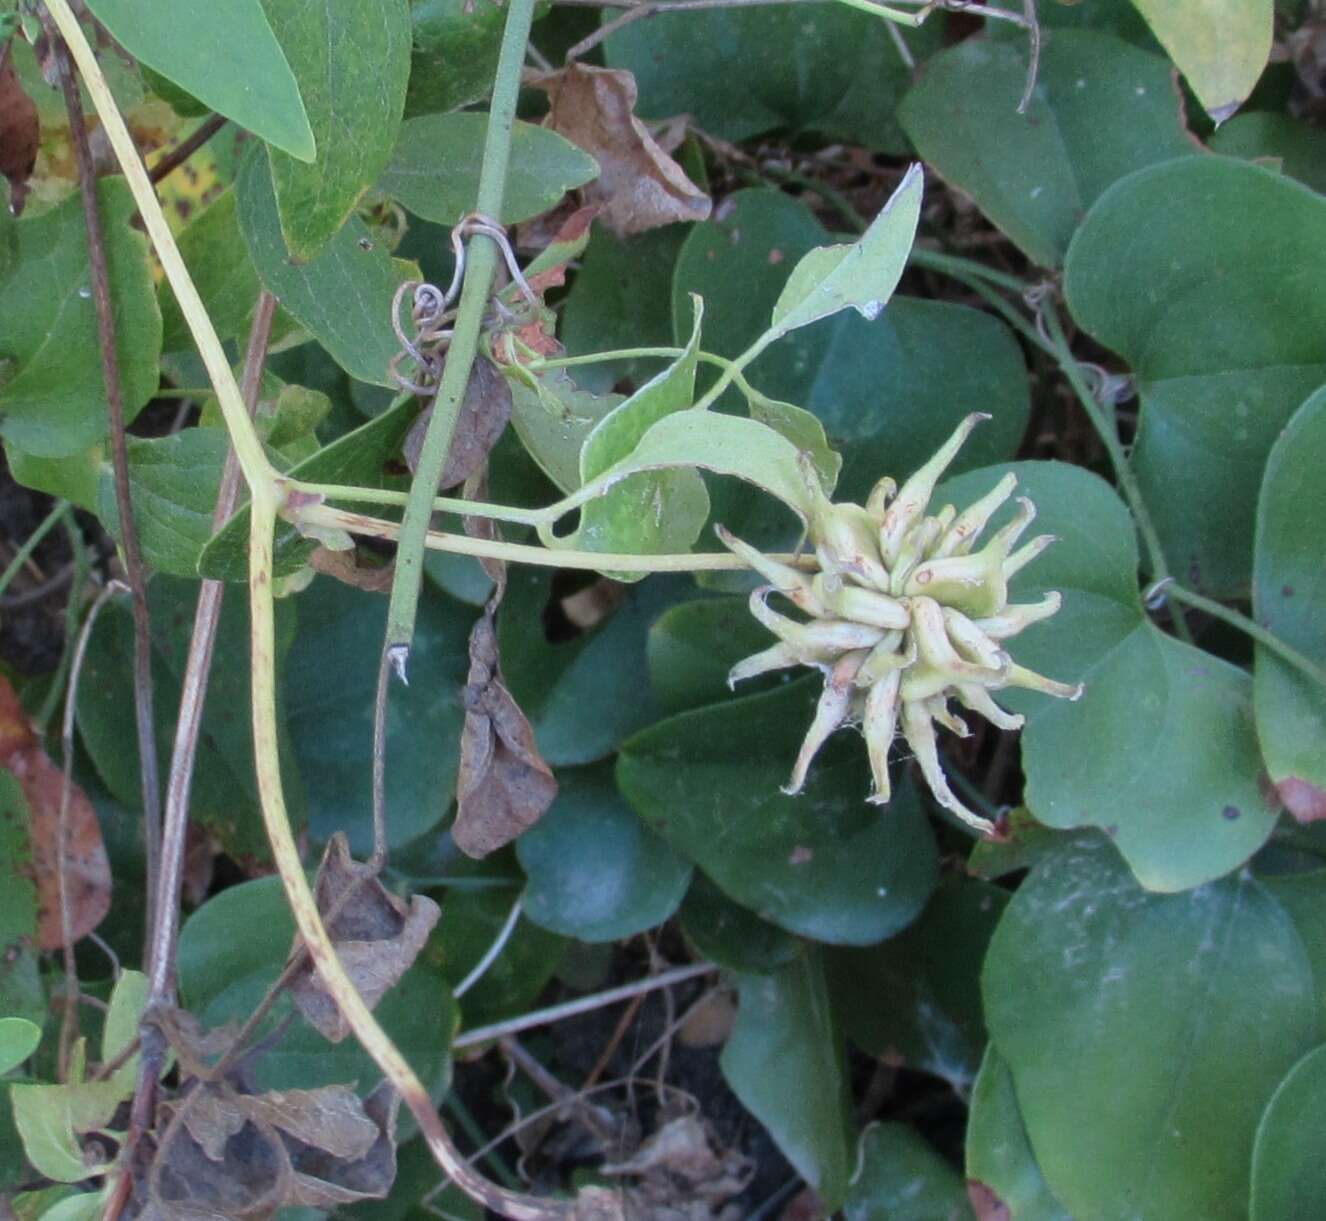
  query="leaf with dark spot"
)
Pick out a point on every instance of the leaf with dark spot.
point(639, 185)
point(377, 936)
point(484, 412)
point(87, 870)
point(20, 133)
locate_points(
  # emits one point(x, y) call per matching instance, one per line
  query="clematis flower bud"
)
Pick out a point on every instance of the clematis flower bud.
point(905, 615)
point(914, 495)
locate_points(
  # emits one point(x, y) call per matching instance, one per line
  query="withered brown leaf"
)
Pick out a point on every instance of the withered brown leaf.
point(377, 936)
point(20, 132)
point(483, 417)
point(503, 785)
point(639, 185)
point(87, 870)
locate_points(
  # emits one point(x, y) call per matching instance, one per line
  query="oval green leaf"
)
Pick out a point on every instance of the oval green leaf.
point(900, 1177)
point(1288, 1171)
point(595, 872)
point(1207, 998)
point(1215, 305)
point(1289, 599)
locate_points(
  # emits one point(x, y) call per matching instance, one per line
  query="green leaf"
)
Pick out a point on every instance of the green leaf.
point(595, 873)
point(434, 168)
point(234, 946)
point(358, 457)
point(1303, 896)
point(47, 1117)
point(888, 393)
point(75, 478)
point(1289, 594)
point(620, 299)
point(916, 998)
point(1174, 777)
point(1100, 110)
point(646, 508)
point(784, 1060)
point(1288, 1174)
point(1000, 1163)
point(692, 647)
point(127, 1004)
point(1266, 135)
point(861, 275)
point(515, 978)
point(726, 445)
point(18, 1040)
point(583, 695)
point(219, 264)
point(22, 994)
point(1221, 322)
point(743, 73)
point(53, 401)
point(225, 54)
point(900, 1177)
point(1205, 999)
point(352, 62)
point(731, 935)
point(225, 792)
point(173, 483)
point(454, 55)
point(1221, 46)
point(330, 711)
point(553, 417)
point(824, 864)
point(342, 297)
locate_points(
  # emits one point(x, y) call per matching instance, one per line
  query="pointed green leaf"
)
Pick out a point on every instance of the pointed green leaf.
point(1289, 599)
point(52, 399)
point(352, 62)
point(1221, 321)
point(824, 864)
point(434, 168)
point(1221, 46)
point(1176, 784)
point(225, 54)
point(859, 276)
point(49, 1117)
point(454, 55)
point(342, 297)
point(127, 1003)
point(784, 1059)
point(1100, 110)
point(1161, 1024)
point(553, 417)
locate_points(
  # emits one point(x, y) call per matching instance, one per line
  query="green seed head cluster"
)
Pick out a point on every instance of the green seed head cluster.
point(903, 615)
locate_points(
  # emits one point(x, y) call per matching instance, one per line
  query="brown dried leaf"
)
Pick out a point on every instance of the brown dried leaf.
point(639, 185)
point(87, 870)
point(20, 133)
point(344, 566)
point(504, 785)
point(225, 1153)
point(322, 1180)
point(484, 413)
point(377, 936)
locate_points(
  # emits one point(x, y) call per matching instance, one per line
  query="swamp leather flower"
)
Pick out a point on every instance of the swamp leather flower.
point(902, 616)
